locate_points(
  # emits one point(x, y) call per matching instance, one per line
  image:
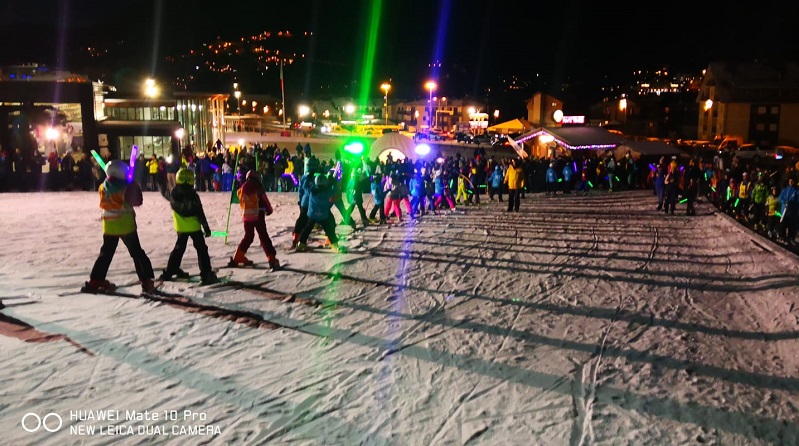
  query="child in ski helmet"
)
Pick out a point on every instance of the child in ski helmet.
point(189, 221)
point(117, 200)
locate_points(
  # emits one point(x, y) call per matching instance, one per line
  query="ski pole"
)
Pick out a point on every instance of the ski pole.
point(233, 192)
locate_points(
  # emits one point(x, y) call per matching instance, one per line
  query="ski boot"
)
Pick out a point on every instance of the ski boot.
point(239, 259)
point(274, 263)
point(301, 247)
point(339, 249)
point(295, 239)
point(148, 286)
point(98, 286)
point(209, 279)
point(167, 276)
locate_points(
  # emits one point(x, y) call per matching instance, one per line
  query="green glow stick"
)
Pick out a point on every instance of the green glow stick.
point(590, 184)
point(218, 234)
point(99, 159)
point(736, 201)
point(683, 200)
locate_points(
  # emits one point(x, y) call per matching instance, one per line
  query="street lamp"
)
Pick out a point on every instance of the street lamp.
point(443, 107)
point(150, 89)
point(385, 87)
point(52, 135)
point(496, 116)
point(237, 94)
point(304, 110)
point(430, 85)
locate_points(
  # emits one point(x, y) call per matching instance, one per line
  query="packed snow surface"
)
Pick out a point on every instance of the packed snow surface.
point(579, 320)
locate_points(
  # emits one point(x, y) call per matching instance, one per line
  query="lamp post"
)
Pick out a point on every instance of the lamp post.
point(443, 104)
point(430, 85)
point(623, 108)
point(385, 87)
point(237, 94)
point(52, 135)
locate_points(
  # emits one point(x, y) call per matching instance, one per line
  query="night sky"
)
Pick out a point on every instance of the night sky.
point(555, 40)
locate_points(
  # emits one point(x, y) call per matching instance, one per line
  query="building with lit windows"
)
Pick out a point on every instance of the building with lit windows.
point(79, 113)
point(445, 113)
point(753, 102)
point(46, 110)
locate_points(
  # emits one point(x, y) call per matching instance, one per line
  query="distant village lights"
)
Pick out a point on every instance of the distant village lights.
point(708, 104)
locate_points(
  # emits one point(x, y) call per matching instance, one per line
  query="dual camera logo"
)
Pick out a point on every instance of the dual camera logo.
point(51, 422)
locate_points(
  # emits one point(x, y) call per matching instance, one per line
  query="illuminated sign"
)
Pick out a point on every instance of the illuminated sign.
point(573, 120)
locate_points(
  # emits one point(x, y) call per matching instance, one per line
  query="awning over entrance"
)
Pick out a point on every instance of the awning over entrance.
point(577, 138)
point(513, 126)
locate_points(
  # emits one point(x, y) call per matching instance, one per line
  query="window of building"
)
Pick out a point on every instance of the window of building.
point(775, 110)
point(772, 127)
point(761, 110)
point(123, 113)
point(760, 127)
point(140, 113)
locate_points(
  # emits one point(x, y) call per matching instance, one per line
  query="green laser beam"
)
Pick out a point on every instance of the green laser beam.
point(367, 70)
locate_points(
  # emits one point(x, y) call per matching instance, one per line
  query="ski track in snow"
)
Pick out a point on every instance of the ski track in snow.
point(579, 320)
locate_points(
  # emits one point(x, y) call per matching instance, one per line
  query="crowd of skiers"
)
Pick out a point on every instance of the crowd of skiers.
point(766, 200)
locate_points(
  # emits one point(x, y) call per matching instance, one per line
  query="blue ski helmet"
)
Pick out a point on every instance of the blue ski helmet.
point(116, 170)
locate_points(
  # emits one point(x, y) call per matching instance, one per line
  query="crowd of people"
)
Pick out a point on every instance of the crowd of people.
point(765, 199)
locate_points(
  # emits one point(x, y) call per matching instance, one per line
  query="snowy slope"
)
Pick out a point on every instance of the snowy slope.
point(579, 320)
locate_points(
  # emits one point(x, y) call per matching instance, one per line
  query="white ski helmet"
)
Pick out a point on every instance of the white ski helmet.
point(116, 170)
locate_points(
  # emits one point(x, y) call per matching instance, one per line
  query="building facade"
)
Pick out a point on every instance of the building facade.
point(755, 103)
point(442, 113)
